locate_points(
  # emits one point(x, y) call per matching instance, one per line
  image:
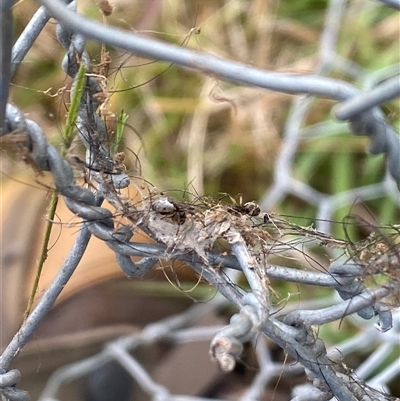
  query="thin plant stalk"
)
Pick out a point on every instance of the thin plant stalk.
point(68, 137)
point(43, 251)
point(73, 110)
point(123, 117)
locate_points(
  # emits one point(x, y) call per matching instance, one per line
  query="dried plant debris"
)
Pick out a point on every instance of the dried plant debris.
point(197, 225)
point(379, 255)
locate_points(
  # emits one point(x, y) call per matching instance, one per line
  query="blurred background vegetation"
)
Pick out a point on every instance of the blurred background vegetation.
point(195, 132)
point(187, 131)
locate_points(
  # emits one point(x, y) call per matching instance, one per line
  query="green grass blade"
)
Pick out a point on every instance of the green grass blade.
point(73, 110)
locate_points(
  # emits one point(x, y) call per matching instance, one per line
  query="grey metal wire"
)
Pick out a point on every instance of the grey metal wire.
point(363, 102)
point(83, 203)
point(5, 55)
point(392, 3)
point(384, 137)
point(46, 302)
point(28, 37)
point(255, 312)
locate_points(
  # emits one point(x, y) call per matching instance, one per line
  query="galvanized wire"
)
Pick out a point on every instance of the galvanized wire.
point(256, 314)
point(384, 138)
point(5, 55)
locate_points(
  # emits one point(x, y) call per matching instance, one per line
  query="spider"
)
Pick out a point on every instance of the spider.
point(251, 209)
point(168, 208)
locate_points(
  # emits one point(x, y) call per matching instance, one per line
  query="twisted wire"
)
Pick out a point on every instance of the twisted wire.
point(384, 138)
point(99, 221)
point(5, 55)
point(294, 334)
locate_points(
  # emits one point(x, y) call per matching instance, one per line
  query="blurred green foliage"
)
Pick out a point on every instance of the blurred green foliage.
point(238, 130)
point(243, 127)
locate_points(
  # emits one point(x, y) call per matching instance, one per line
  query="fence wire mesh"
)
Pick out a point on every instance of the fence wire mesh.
point(241, 249)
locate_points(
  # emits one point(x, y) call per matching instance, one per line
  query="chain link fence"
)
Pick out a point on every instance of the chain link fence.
point(364, 276)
